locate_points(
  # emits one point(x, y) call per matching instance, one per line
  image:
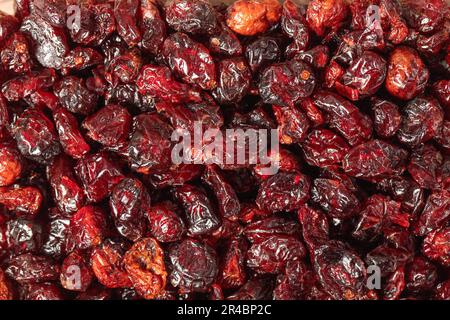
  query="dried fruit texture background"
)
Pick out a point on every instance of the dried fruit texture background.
point(92, 207)
point(7, 5)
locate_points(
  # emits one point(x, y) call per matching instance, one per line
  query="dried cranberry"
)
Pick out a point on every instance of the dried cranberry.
point(194, 264)
point(407, 75)
point(36, 136)
point(200, 213)
point(11, 164)
point(109, 126)
point(50, 42)
point(250, 17)
point(70, 137)
point(74, 96)
point(325, 15)
point(108, 266)
point(149, 145)
point(30, 268)
point(197, 17)
point(76, 274)
point(283, 192)
point(285, 83)
point(67, 192)
point(165, 223)
point(190, 60)
point(99, 174)
point(422, 119)
point(233, 81)
point(374, 160)
point(271, 254)
point(436, 246)
point(144, 263)
point(87, 229)
point(323, 148)
point(387, 117)
point(334, 198)
point(129, 204)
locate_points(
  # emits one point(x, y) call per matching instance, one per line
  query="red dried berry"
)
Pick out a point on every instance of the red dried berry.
point(108, 265)
point(144, 263)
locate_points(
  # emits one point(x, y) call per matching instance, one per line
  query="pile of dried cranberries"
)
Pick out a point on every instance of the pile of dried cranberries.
point(93, 207)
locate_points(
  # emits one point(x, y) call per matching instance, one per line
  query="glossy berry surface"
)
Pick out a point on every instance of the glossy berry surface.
point(111, 187)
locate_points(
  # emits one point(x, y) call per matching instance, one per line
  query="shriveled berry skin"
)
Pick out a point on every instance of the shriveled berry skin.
point(234, 79)
point(50, 42)
point(8, 25)
point(29, 268)
point(442, 291)
point(420, 275)
point(70, 137)
point(285, 83)
point(422, 119)
point(190, 60)
point(353, 94)
point(125, 12)
point(24, 235)
point(98, 174)
point(293, 124)
point(159, 83)
point(25, 85)
point(87, 229)
point(81, 58)
point(107, 264)
point(194, 264)
point(364, 76)
point(199, 212)
point(283, 192)
point(225, 42)
point(152, 26)
point(374, 160)
point(435, 214)
point(325, 15)
point(165, 223)
point(407, 75)
point(11, 164)
point(232, 273)
point(441, 89)
point(43, 292)
point(424, 166)
point(263, 51)
point(150, 145)
point(129, 204)
point(25, 200)
point(36, 136)
point(197, 17)
point(387, 117)
point(334, 198)
point(146, 269)
point(294, 25)
point(6, 289)
point(109, 126)
point(15, 55)
point(67, 192)
point(340, 271)
point(344, 117)
point(436, 246)
point(226, 196)
point(251, 17)
point(323, 148)
point(271, 254)
point(74, 96)
point(76, 274)
point(378, 212)
point(425, 16)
